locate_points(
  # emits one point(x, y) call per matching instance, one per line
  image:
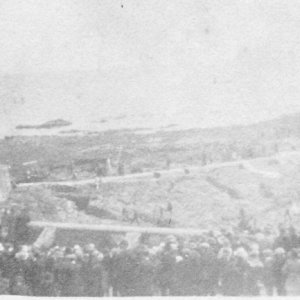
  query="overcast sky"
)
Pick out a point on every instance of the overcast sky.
point(205, 62)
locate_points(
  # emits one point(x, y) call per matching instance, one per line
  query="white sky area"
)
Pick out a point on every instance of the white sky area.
point(191, 62)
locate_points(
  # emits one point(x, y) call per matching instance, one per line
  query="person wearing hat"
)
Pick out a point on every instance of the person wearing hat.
point(145, 272)
point(121, 264)
point(254, 273)
point(10, 265)
point(294, 238)
point(283, 239)
point(69, 275)
point(166, 267)
point(94, 286)
point(226, 271)
point(208, 268)
point(277, 270)
point(106, 271)
point(267, 275)
point(187, 273)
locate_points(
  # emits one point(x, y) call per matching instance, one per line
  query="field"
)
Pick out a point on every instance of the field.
point(254, 167)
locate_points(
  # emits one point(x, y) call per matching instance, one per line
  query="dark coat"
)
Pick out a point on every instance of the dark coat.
point(232, 277)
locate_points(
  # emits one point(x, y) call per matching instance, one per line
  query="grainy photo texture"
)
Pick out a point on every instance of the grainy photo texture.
point(149, 148)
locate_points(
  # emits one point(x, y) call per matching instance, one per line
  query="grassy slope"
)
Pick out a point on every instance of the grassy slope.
point(203, 199)
point(198, 201)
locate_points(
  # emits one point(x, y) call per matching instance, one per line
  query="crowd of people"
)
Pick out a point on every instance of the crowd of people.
point(233, 262)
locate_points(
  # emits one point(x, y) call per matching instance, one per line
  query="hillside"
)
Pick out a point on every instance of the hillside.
point(253, 167)
point(208, 197)
point(214, 197)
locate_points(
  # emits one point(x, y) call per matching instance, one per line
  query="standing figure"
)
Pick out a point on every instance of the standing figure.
point(22, 232)
point(135, 217)
point(278, 271)
point(267, 274)
point(169, 212)
point(254, 274)
point(291, 270)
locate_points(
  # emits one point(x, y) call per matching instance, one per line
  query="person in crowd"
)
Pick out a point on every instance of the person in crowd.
point(254, 273)
point(278, 272)
point(283, 240)
point(267, 273)
point(20, 288)
point(106, 272)
point(120, 261)
point(229, 262)
point(208, 268)
point(48, 288)
point(166, 267)
point(145, 272)
point(291, 271)
point(125, 214)
point(135, 217)
point(230, 279)
point(294, 239)
point(169, 210)
point(95, 283)
point(17, 222)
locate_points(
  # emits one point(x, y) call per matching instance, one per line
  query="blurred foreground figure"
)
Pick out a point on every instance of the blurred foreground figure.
point(291, 271)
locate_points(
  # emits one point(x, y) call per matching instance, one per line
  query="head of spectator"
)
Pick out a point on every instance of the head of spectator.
point(212, 242)
point(254, 247)
point(225, 253)
point(70, 257)
point(192, 245)
point(186, 253)
point(90, 248)
point(203, 248)
point(22, 255)
point(56, 253)
point(171, 239)
point(253, 257)
point(224, 242)
point(279, 253)
point(241, 253)
point(96, 256)
point(267, 253)
point(78, 251)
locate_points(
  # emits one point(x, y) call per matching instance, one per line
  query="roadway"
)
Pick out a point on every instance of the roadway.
point(172, 172)
point(116, 228)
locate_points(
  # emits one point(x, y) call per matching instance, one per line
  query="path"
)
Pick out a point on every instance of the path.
point(247, 165)
point(116, 228)
point(173, 172)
